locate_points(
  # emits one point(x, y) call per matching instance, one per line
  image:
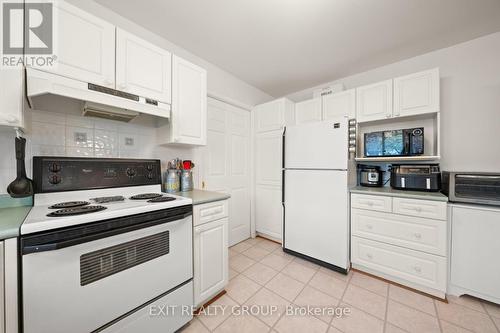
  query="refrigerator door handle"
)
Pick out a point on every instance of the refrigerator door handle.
point(283, 187)
point(283, 167)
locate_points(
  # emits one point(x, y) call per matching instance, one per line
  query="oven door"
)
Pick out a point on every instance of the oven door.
point(79, 280)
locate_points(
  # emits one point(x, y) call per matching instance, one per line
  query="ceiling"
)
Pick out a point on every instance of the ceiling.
point(283, 46)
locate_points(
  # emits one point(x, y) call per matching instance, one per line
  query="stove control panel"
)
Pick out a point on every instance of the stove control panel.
point(55, 174)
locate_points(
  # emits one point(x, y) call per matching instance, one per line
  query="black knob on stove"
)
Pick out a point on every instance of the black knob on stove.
point(54, 179)
point(131, 172)
point(54, 167)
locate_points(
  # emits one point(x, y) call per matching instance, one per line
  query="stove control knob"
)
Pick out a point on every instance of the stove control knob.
point(150, 167)
point(150, 175)
point(54, 167)
point(54, 179)
point(131, 172)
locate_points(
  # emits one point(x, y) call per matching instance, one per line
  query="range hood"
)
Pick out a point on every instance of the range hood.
point(99, 101)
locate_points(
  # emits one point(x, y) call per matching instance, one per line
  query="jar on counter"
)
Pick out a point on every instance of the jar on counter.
point(172, 182)
point(187, 180)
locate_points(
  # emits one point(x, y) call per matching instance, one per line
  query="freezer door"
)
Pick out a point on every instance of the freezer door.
point(316, 215)
point(320, 145)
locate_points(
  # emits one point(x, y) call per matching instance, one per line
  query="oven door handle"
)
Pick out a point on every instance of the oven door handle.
point(37, 248)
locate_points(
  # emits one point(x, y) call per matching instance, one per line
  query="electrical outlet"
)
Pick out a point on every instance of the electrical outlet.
point(129, 141)
point(80, 137)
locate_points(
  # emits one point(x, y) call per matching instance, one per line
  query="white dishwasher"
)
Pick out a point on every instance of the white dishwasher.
point(475, 246)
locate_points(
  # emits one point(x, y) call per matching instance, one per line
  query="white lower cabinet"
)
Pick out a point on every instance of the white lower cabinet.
point(407, 246)
point(2, 291)
point(415, 269)
point(269, 211)
point(210, 252)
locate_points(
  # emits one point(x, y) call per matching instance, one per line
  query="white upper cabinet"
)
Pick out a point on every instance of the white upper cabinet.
point(274, 115)
point(11, 97)
point(85, 46)
point(308, 111)
point(188, 123)
point(142, 68)
point(374, 101)
point(340, 104)
point(416, 93)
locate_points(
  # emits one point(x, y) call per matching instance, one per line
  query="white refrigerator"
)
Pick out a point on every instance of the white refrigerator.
point(317, 174)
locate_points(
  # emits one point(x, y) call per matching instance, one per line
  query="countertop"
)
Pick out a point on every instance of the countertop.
point(388, 191)
point(201, 196)
point(12, 215)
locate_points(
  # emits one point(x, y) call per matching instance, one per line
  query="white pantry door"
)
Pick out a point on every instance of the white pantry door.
point(226, 161)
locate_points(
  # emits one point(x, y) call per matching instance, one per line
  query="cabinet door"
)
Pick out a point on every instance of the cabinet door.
point(268, 158)
point(340, 104)
point(11, 97)
point(274, 115)
point(416, 93)
point(142, 68)
point(269, 116)
point(308, 111)
point(189, 103)
point(269, 211)
point(2, 293)
point(474, 245)
point(210, 260)
point(374, 102)
point(85, 46)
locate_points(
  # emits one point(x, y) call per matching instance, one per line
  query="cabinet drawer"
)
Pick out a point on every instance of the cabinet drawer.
point(416, 267)
point(420, 208)
point(411, 232)
point(371, 202)
point(210, 212)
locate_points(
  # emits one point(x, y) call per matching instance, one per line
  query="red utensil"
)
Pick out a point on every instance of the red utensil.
point(187, 165)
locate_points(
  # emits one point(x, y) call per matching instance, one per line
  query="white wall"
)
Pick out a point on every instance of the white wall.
point(220, 82)
point(470, 100)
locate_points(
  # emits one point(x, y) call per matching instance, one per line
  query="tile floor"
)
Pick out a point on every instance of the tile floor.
point(262, 274)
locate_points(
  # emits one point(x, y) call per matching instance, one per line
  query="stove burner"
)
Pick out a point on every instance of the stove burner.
point(146, 196)
point(69, 204)
point(76, 211)
point(102, 200)
point(162, 199)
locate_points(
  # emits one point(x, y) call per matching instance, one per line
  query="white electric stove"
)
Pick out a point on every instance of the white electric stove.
point(103, 246)
point(64, 209)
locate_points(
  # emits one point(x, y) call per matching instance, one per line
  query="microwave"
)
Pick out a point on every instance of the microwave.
point(401, 142)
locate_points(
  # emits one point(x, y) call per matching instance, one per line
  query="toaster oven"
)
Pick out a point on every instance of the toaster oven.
point(472, 187)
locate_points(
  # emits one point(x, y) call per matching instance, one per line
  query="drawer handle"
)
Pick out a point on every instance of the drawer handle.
point(212, 211)
point(369, 256)
point(417, 209)
point(368, 203)
point(369, 226)
point(417, 269)
point(417, 235)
